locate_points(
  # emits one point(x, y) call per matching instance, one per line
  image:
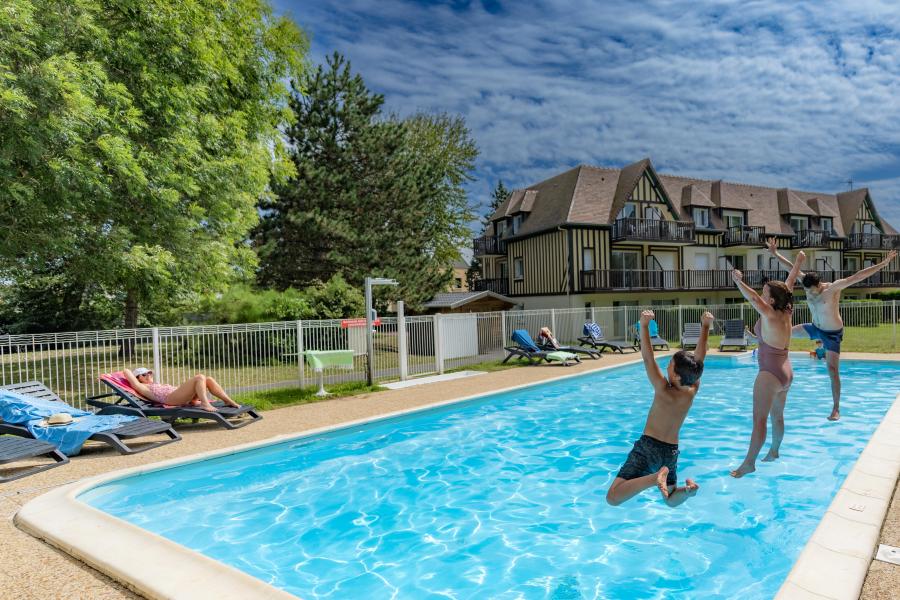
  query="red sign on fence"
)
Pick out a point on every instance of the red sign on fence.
point(358, 323)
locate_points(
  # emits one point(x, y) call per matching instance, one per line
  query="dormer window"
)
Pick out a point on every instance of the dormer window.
point(701, 217)
point(733, 218)
point(516, 223)
point(628, 211)
point(827, 224)
point(799, 223)
point(500, 228)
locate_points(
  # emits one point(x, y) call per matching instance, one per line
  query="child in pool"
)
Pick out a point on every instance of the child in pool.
point(654, 458)
point(819, 352)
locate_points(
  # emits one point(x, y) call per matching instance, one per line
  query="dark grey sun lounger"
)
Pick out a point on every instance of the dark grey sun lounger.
point(13, 449)
point(115, 438)
point(690, 337)
point(593, 337)
point(132, 404)
point(593, 353)
point(734, 335)
point(525, 348)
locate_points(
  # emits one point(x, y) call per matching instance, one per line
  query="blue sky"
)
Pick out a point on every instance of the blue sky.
point(798, 94)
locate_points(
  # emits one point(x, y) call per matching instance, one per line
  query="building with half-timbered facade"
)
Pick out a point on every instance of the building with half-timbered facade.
point(599, 237)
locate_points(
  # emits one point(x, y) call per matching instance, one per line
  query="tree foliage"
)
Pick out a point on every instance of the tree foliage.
point(137, 138)
point(373, 195)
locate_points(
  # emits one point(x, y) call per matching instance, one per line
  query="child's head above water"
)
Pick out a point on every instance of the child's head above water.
point(684, 369)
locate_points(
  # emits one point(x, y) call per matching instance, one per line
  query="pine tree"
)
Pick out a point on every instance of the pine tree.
point(373, 196)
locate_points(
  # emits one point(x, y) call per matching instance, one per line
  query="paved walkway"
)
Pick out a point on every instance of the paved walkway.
point(31, 569)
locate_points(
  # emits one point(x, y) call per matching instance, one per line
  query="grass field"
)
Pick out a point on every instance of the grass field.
point(280, 398)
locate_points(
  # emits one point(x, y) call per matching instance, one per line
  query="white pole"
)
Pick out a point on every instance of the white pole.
point(438, 350)
point(156, 358)
point(680, 321)
point(370, 342)
point(553, 322)
point(502, 328)
point(401, 341)
point(894, 324)
point(301, 375)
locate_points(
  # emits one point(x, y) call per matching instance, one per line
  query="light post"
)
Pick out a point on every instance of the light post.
point(370, 339)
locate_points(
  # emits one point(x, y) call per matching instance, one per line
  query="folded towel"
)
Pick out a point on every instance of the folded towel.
point(560, 356)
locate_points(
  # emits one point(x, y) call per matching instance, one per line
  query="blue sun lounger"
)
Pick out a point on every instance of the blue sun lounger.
point(655, 340)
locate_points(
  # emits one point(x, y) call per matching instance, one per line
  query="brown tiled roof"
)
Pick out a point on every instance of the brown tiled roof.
point(595, 195)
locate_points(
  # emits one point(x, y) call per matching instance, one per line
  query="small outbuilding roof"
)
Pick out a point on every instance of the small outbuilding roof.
point(453, 300)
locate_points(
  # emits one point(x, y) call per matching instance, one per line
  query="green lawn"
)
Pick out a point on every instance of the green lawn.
point(279, 398)
point(856, 339)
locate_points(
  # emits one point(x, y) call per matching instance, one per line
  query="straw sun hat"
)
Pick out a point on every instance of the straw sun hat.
point(57, 419)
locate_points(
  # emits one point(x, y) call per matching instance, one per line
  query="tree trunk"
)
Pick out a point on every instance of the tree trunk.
point(126, 348)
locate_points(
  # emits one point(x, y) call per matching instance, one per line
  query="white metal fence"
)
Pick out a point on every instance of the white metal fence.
point(262, 356)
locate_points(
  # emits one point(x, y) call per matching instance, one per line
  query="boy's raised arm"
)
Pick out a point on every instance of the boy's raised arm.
point(654, 374)
point(772, 245)
point(795, 270)
point(706, 322)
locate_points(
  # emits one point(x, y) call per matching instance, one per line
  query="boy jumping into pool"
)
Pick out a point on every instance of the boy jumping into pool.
point(654, 458)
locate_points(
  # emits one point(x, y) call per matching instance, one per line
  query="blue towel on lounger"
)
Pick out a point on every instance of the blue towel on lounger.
point(19, 409)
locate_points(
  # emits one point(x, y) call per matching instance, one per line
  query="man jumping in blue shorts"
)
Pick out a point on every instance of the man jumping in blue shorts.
point(827, 325)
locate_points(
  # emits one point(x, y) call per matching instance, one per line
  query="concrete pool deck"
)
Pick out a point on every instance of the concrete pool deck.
point(33, 569)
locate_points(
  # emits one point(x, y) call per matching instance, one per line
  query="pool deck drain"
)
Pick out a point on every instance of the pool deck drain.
point(888, 554)
point(33, 570)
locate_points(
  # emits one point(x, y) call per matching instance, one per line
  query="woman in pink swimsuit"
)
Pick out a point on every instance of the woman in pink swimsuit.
point(775, 308)
point(194, 391)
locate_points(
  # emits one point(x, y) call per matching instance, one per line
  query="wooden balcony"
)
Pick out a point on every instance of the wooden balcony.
point(653, 230)
point(498, 286)
point(489, 245)
point(810, 238)
point(708, 279)
point(871, 241)
point(745, 235)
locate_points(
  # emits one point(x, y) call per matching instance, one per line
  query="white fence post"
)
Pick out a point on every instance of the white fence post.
point(157, 369)
point(742, 313)
point(438, 341)
point(593, 315)
point(680, 322)
point(301, 365)
point(553, 322)
point(894, 324)
point(401, 341)
point(502, 328)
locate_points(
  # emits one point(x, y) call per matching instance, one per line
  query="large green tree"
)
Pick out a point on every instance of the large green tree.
point(137, 138)
point(374, 195)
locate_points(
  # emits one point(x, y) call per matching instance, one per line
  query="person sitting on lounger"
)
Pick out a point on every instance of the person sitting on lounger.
point(546, 338)
point(194, 392)
point(654, 458)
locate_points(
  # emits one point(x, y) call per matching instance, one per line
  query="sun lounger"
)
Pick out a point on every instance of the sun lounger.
point(117, 436)
point(690, 337)
point(655, 340)
point(525, 348)
point(549, 347)
point(130, 402)
point(15, 449)
point(593, 337)
point(733, 335)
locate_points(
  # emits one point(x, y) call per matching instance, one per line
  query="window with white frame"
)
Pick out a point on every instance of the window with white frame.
point(827, 224)
point(516, 223)
point(518, 268)
point(701, 217)
point(733, 218)
point(629, 211)
point(587, 259)
point(799, 223)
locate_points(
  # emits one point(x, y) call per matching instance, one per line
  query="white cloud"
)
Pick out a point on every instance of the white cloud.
point(782, 94)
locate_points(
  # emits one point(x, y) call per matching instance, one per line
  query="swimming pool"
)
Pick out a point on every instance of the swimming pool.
point(504, 497)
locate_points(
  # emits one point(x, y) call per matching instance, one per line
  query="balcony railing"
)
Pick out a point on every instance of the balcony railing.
point(810, 238)
point(709, 279)
point(871, 241)
point(489, 244)
point(745, 235)
point(498, 286)
point(653, 230)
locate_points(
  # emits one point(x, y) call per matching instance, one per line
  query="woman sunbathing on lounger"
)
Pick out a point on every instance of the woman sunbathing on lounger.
point(195, 391)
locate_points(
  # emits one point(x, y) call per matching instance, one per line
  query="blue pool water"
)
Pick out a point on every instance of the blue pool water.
point(504, 497)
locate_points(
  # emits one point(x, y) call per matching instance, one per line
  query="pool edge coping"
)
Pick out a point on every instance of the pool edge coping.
point(169, 570)
point(159, 568)
point(835, 560)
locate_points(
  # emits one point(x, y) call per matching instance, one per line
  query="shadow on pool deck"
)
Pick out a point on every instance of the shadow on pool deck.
point(31, 569)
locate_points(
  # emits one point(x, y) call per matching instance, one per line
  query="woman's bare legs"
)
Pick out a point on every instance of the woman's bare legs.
point(777, 417)
point(765, 389)
point(195, 387)
point(216, 390)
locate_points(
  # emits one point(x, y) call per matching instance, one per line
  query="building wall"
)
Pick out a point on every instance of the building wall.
point(546, 264)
